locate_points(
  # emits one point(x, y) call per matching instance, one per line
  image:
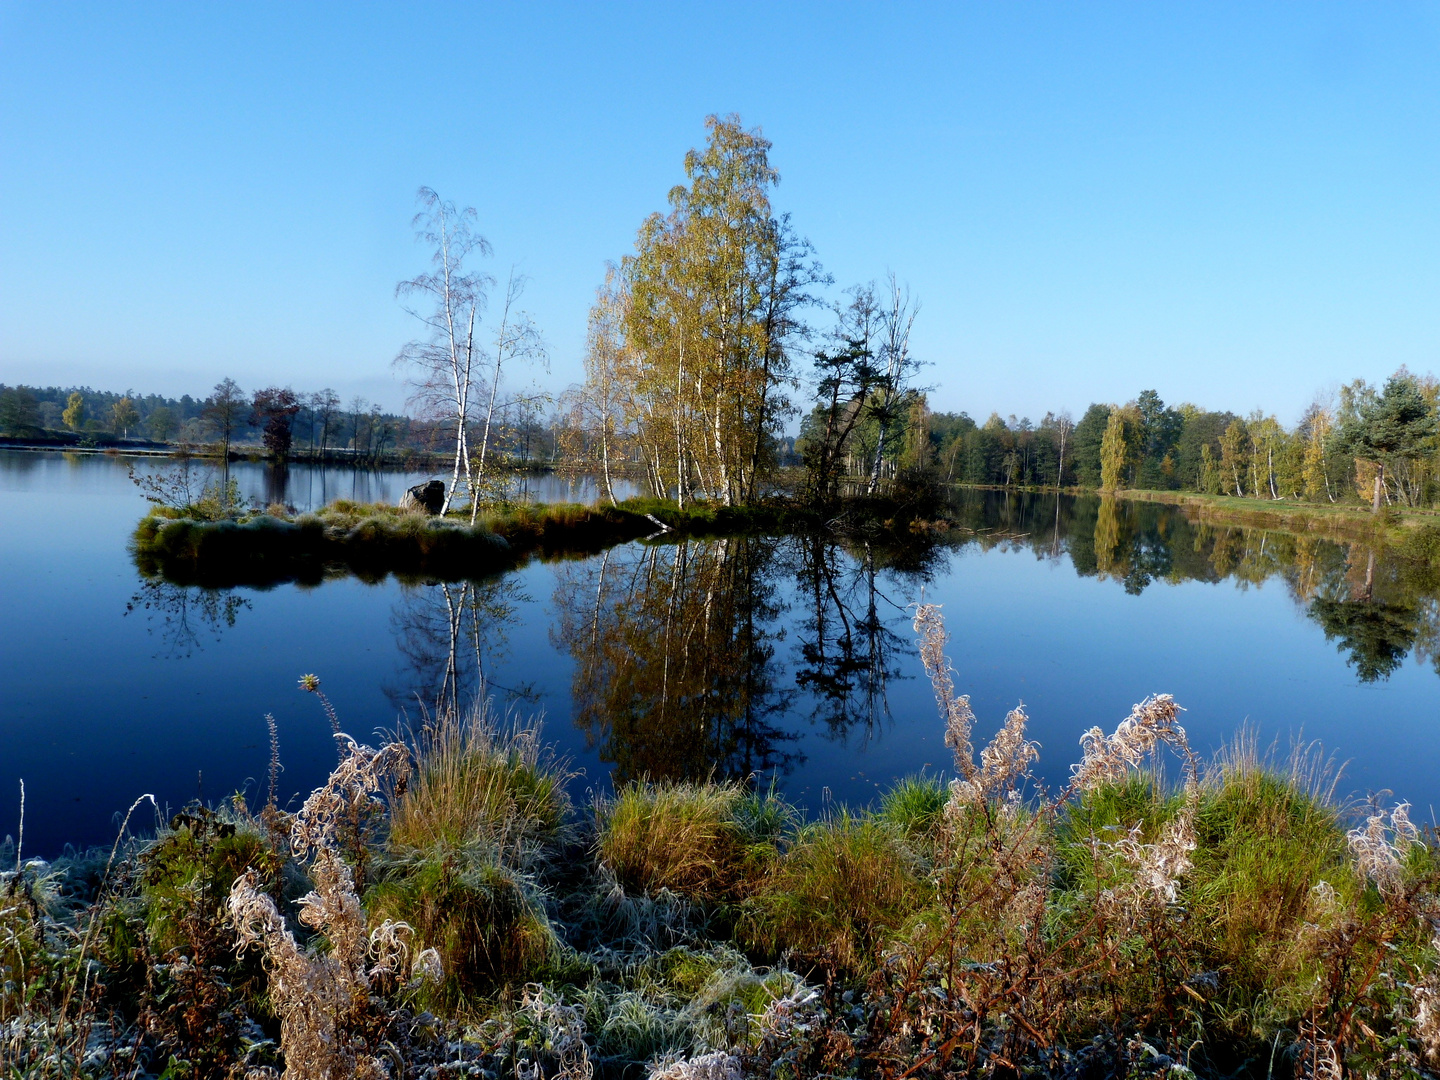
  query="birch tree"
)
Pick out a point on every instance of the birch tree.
point(517, 340)
point(896, 366)
point(444, 360)
point(601, 404)
point(713, 296)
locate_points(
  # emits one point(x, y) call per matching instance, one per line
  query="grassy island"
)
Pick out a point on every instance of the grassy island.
point(439, 907)
point(210, 546)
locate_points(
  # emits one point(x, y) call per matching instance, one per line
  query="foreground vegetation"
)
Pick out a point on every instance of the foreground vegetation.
point(439, 908)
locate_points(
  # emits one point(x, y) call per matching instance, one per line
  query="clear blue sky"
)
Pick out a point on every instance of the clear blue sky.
point(1233, 204)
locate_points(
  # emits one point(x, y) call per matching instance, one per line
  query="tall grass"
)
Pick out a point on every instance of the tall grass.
point(479, 781)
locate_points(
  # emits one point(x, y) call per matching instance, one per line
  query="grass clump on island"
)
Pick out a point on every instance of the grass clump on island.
point(440, 907)
point(213, 542)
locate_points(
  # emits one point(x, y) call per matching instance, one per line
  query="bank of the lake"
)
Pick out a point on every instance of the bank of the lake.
point(1411, 532)
point(1345, 521)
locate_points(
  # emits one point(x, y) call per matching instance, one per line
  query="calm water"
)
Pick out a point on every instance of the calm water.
point(787, 657)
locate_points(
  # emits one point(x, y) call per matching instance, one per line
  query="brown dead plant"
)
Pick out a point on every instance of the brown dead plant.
point(332, 1021)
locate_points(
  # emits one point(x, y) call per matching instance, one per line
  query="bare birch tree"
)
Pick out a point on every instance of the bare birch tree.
point(444, 360)
point(517, 340)
point(896, 365)
point(600, 404)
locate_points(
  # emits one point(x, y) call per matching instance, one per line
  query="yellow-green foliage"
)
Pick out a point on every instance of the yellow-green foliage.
point(1263, 845)
point(846, 886)
point(485, 919)
point(480, 811)
point(191, 866)
point(477, 784)
point(707, 842)
point(677, 836)
point(915, 805)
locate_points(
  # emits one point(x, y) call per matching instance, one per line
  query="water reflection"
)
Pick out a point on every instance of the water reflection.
point(450, 636)
point(674, 648)
point(1376, 608)
point(848, 642)
point(182, 616)
point(752, 654)
point(850, 599)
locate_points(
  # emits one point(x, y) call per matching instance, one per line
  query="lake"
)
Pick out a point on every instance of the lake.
point(790, 659)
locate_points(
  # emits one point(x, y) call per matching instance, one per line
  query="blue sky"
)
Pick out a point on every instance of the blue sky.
point(1236, 205)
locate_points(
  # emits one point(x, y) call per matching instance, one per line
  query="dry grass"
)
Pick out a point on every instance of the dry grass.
point(844, 889)
point(480, 782)
point(683, 837)
point(1236, 923)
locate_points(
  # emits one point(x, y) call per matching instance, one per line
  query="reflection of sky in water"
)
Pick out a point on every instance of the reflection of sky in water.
point(305, 487)
point(100, 706)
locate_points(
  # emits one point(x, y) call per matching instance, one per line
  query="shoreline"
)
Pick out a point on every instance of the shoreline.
point(1345, 521)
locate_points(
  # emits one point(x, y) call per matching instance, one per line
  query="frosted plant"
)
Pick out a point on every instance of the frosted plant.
point(1107, 759)
point(1380, 851)
point(563, 1030)
point(1319, 1057)
point(713, 1066)
point(324, 998)
point(784, 1014)
point(954, 710)
point(1426, 995)
point(348, 796)
point(1002, 765)
point(1157, 867)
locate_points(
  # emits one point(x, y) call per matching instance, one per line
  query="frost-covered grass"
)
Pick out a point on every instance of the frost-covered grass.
point(439, 904)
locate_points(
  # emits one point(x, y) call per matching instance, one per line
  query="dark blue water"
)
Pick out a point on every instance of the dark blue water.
point(782, 657)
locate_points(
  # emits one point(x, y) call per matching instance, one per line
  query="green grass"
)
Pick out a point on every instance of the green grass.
point(846, 886)
point(1345, 521)
point(680, 837)
point(477, 784)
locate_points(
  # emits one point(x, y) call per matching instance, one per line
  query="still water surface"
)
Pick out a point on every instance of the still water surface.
point(789, 658)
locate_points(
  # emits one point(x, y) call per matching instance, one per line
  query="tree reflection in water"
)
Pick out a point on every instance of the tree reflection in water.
point(847, 649)
point(183, 615)
point(679, 669)
point(1377, 609)
point(674, 649)
point(450, 635)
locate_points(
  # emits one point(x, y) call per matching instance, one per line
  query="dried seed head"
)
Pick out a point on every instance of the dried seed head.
point(954, 709)
point(1107, 759)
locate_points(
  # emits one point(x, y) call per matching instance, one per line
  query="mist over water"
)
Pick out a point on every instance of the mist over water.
point(787, 658)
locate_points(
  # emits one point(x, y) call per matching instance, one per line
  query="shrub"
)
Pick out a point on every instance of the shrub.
point(476, 783)
point(486, 921)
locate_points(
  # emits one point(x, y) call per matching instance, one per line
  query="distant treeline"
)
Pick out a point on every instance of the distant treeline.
point(295, 424)
point(1373, 444)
